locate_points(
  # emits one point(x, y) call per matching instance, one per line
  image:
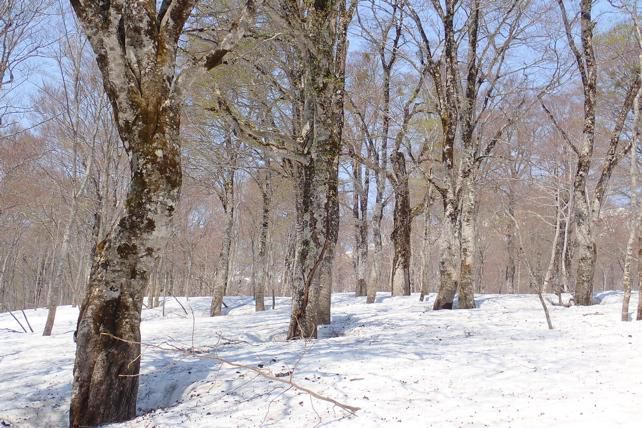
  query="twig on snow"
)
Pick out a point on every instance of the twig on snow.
point(263, 373)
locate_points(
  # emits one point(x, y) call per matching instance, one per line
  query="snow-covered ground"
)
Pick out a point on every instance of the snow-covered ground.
point(400, 362)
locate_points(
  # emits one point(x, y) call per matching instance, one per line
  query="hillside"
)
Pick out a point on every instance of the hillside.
point(400, 362)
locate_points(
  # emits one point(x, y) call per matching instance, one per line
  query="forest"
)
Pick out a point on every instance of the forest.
point(308, 163)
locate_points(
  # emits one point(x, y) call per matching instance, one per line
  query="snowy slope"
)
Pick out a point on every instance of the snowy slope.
point(401, 363)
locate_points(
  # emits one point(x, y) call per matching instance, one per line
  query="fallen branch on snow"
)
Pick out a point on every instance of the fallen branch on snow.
point(263, 373)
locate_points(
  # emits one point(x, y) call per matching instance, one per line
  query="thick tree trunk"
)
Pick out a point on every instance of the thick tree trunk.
point(317, 177)
point(449, 256)
point(108, 333)
point(400, 237)
point(588, 69)
point(305, 277)
point(135, 47)
point(335, 51)
point(331, 236)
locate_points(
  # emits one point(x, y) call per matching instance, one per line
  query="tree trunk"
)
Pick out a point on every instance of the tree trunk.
point(361, 186)
point(137, 62)
point(264, 266)
point(509, 275)
point(467, 246)
point(628, 259)
point(548, 276)
point(222, 275)
point(305, 280)
point(449, 255)
point(426, 247)
point(400, 237)
point(106, 369)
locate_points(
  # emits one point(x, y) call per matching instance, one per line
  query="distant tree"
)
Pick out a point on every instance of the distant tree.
point(21, 38)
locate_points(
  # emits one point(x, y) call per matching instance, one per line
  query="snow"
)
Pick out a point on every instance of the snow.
point(400, 362)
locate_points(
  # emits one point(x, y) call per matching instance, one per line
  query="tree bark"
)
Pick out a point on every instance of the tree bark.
point(136, 54)
point(361, 187)
point(426, 247)
point(317, 177)
point(264, 265)
point(227, 197)
point(467, 246)
point(400, 235)
point(449, 256)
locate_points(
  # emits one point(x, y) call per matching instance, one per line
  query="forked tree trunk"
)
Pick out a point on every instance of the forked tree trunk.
point(381, 159)
point(136, 52)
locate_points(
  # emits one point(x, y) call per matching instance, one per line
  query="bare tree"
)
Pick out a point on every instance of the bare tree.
point(135, 44)
point(587, 206)
point(463, 103)
point(21, 38)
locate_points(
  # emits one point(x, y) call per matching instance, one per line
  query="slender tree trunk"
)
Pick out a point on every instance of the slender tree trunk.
point(639, 311)
point(634, 228)
point(509, 276)
point(626, 278)
point(467, 238)
point(222, 276)
point(426, 247)
point(264, 265)
point(548, 276)
point(360, 215)
point(54, 293)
